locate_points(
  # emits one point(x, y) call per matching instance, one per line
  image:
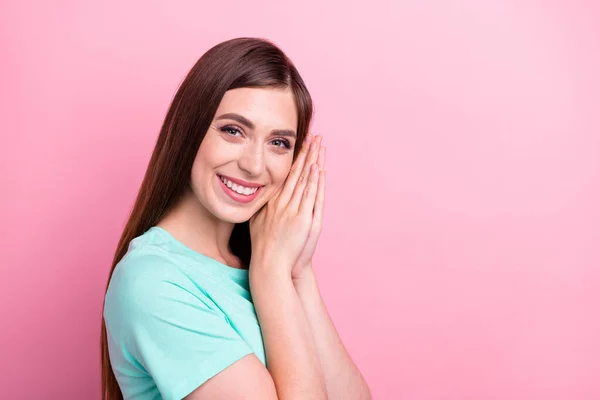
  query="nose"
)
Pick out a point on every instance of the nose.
point(252, 160)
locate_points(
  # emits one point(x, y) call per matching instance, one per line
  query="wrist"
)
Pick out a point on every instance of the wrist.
point(305, 277)
point(268, 271)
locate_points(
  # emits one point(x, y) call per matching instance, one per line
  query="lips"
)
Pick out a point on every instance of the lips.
point(240, 198)
point(241, 182)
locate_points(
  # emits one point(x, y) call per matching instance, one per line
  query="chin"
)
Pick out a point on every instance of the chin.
point(237, 220)
point(232, 215)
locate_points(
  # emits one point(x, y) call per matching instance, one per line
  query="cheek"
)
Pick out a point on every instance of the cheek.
point(202, 169)
point(280, 171)
point(212, 152)
point(211, 155)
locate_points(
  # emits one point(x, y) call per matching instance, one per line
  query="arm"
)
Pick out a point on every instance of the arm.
point(293, 367)
point(342, 377)
point(292, 359)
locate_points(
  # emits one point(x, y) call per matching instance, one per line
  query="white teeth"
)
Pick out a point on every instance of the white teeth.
point(238, 188)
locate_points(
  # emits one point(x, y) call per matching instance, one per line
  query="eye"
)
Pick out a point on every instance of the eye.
point(228, 129)
point(231, 130)
point(286, 144)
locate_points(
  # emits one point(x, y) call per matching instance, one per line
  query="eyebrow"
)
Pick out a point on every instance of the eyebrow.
point(245, 121)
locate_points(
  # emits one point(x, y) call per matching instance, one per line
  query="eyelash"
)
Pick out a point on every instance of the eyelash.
point(287, 143)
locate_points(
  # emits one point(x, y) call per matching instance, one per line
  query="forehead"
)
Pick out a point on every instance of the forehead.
point(267, 108)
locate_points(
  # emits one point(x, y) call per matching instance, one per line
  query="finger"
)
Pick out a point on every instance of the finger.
point(321, 160)
point(303, 179)
point(319, 139)
point(320, 201)
point(314, 156)
point(278, 191)
point(310, 192)
point(295, 171)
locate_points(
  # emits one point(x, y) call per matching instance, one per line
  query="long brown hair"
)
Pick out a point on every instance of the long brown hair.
point(236, 63)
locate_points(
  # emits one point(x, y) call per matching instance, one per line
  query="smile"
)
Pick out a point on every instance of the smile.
point(238, 192)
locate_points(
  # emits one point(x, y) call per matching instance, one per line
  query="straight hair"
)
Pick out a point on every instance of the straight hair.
point(236, 63)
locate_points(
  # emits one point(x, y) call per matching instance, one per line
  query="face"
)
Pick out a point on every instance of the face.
point(247, 152)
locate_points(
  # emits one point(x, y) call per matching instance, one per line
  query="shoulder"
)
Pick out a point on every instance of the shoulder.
point(165, 321)
point(147, 280)
point(142, 269)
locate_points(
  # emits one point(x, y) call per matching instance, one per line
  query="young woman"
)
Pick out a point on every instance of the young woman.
point(195, 309)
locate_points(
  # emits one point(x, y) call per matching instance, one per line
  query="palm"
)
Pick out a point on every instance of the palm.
point(307, 252)
point(305, 257)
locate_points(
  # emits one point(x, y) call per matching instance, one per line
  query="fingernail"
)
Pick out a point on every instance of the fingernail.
point(308, 138)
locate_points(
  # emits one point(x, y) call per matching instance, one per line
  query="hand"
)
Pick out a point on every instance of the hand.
point(304, 261)
point(279, 230)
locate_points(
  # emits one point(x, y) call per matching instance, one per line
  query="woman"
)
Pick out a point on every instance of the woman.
point(195, 309)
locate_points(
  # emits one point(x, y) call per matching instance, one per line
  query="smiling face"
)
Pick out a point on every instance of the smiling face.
point(250, 143)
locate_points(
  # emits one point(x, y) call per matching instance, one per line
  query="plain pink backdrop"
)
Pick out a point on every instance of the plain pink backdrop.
point(460, 254)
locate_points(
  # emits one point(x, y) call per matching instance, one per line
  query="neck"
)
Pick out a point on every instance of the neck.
point(194, 226)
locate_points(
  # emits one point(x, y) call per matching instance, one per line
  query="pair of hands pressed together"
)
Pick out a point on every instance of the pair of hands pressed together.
point(286, 229)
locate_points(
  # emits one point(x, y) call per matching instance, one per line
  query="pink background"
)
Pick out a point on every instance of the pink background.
point(460, 256)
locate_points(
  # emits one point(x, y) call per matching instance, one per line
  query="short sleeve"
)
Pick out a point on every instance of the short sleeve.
point(175, 331)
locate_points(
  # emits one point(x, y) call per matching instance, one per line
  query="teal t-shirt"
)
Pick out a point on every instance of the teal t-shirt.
point(176, 318)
